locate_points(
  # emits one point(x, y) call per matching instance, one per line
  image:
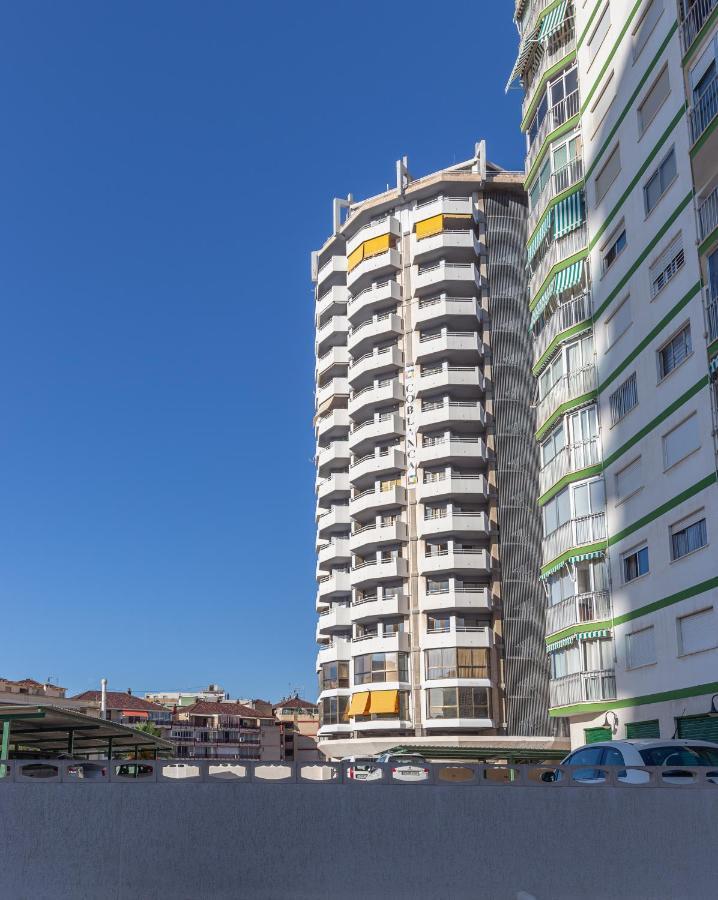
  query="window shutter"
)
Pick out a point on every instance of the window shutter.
point(698, 728)
point(591, 735)
point(648, 729)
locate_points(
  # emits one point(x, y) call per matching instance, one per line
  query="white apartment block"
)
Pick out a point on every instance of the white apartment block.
point(620, 111)
point(411, 635)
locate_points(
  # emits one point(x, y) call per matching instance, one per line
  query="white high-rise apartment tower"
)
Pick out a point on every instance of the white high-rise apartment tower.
point(620, 114)
point(421, 411)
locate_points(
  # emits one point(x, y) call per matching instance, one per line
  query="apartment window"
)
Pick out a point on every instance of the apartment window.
point(603, 103)
point(646, 24)
point(641, 648)
point(659, 182)
point(540, 183)
point(333, 710)
point(333, 675)
point(635, 564)
point(553, 445)
point(457, 662)
point(597, 655)
point(654, 100)
point(551, 374)
point(608, 174)
point(614, 248)
point(697, 631)
point(618, 323)
point(599, 33)
point(667, 265)
point(688, 535)
point(457, 703)
point(556, 512)
point(676, 351)
point(566, 661)
point(560, 90)
point(623, 400)
point(376, 667)
point(681, 441)
point(437, 585)
point(629, 480)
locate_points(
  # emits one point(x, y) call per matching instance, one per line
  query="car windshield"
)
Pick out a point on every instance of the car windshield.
point(680, 756)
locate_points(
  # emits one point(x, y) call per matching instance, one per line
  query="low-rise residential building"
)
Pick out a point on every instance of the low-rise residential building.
point(225, 730)
point(299, 721)
point(27, 690)
point(171, 699)
point(127, 709)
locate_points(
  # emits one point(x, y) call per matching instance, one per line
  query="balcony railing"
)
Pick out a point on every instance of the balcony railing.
point(563, 46)
point(704, 109)
point(712, 314)
point(708, 215)
point(556, 251)
point(574, 533)
point(582, 687)
point(565, 316)
point(594, 606)
point(568, 387)
point(560, 180)
point(572, 458)
point(694, 21)
point(553, 119)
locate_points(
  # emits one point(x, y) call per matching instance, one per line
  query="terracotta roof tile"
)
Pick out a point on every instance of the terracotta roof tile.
point(120, 700)
point(213, 708)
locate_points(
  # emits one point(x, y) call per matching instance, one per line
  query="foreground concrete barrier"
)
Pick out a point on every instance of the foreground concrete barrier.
point(291, 837)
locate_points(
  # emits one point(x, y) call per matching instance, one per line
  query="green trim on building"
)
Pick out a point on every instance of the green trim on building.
point(549, 139)
point(695, 149)
point(634, 96)
point(577, 186)
point(609, 58)
point(706, 244)
point(589, 23)
point(712, 349)
point(572, 551)
point(600, 625)
point(670, 600)
point(563, 264)
point(540, 86)
point(559, 339)
point(705, 28)
point(579, 475)
point(562, 410)
point(695, 690)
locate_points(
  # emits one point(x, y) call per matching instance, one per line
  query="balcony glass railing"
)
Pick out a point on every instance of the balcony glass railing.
point(582, 687)
point(574, 533)
point(569, 387)
point(695, 19)
point(565, 316)
point(572, 458)
point(593, 606)
point(704, 109)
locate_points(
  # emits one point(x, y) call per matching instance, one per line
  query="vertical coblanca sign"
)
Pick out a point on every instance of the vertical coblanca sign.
point(410, 407)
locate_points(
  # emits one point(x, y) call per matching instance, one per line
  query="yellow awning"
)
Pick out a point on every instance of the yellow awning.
point(377, 245)
point(427, 227)
point(384, 702)
point(355, 257)
point(359, 704)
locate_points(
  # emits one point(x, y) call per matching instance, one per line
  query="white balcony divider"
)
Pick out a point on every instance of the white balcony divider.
point(568, 387)
point(556, 252)
point(704, 110)
point(574, 533)
point(594, 606)
point(694, 21)
point(571, 459)
point(582, 687)
point(565, 316)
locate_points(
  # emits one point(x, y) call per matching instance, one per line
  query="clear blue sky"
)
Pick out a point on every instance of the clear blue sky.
point(167, 167)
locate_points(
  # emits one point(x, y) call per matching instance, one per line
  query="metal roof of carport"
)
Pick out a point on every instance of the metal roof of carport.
point(53, 730)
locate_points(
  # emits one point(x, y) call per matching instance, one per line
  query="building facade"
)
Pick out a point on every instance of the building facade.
point(619, 114)
point(415, 601)
point(126, 708)
point(299, 724)
point(171, 699)
point(225, 730)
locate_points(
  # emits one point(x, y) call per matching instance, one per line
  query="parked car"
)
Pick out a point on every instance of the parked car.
point(362, 768)
point(678, 753)
point(405, 766)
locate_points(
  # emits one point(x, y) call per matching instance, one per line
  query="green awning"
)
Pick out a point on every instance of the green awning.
point(568, 214)
point(553, 21)
point(528, 42)
point(713, 366)
point(577, 557)
point(579, 636)
point(561, 281)
point(564, 642)
point(538, 237)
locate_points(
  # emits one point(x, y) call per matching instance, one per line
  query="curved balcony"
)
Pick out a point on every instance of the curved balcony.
point(364, 436)
point(556, 116)
point(381, 327)
point(378, 294)
point(373, 268)
point(560, 45)
point(375, 724)
point(582, 609)
point(387, 225)
point(331, 334)
point(374, 571)
point(574, 533)
point(389, 643)
point(336, 387)
point(453, 277)
point(376, 500)
point(335, 553)
point(380, 608)
point(462, 379)
point(332, 487)
point(451, 244)
point(561, 180)
point(338, 618)
point(556, 252)
point(457, 345)
point(456, 598)
point(337, 296)
point(460, 636)
point(474, 524)
point(457, 447)
point(572, 458)
point(380, 391)
point(444, 206)
point(582, 687)
point(336, 519)
point(375, 363)
point(331, 273)
point(451, 414)
point(365, 468)
point(333, 586)
point(338, 649)
point(462, 724)
point(571, 386)
point(472, 562)
point(333, 425)
point(334, 361)
point(577, 310)
point(462, 487)
point(368, 537)
point(435, 309)
point(335, 456)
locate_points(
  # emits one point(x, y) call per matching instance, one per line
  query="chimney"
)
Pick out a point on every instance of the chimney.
point(103, 698)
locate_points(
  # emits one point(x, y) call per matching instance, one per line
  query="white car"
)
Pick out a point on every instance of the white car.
point(362, 768)
point(405, 766)
point(683, 754)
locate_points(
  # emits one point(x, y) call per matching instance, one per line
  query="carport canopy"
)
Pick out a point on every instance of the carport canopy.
point(50, 731)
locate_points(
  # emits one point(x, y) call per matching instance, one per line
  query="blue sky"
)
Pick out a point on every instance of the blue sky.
point(167, 169)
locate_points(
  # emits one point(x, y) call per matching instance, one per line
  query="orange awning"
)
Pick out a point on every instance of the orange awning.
point(136, 713)
point(384, 702)
point(359, 704)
